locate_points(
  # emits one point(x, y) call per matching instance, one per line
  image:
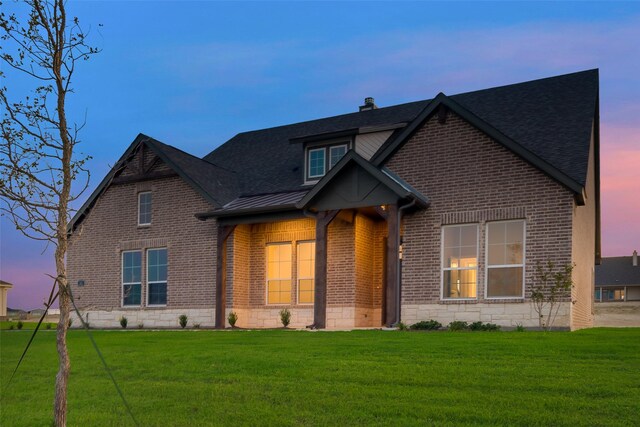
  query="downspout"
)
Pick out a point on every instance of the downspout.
point(399, 261)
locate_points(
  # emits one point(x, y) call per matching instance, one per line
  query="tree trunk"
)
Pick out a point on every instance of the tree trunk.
point(62, 378)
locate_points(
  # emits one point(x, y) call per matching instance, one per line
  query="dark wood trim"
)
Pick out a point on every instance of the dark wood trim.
point(393, 229)
point(137, 178)
point(323, 219)
point(224, 231)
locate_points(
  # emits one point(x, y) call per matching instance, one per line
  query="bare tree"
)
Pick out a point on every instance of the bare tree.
point(38, 157)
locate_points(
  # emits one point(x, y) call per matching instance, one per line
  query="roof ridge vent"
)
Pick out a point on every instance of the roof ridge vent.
point(635, 259)
point(369, 104)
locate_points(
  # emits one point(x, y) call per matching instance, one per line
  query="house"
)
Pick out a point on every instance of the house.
point(436, 209)
point(618, 279)
point(4, 289)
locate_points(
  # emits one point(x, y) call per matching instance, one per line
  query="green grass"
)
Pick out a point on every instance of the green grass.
point(192, 378)
point(26, 324)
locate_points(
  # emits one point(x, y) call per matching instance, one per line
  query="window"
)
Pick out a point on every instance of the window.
point(335, 154)
point(321, 159)
point(131, 278)
point(306, 254)
point(613, 294)
point(459, 261)
point(316, 162)
point(505, 259)
point(157, 276)
point(144, 208)
point(598, 295)
point(279, 273)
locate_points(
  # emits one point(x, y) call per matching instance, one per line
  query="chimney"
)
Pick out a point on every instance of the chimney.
point(368, 104)
point(634, 259)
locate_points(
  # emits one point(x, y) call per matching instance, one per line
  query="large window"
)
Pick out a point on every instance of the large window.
point(505, 259)
point(306, 254)
point(131, 278)
point(279, 273)
point(321, 159)
point(144, 208)
point(460, 261)
point(157, 276)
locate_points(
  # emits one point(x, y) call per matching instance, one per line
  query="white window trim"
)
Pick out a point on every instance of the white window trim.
point(324, 168)
point(149, 283)
point(443, 268)
point(298, 278)
point(266, 273)
point(122, 282)
point(486, 255)
point(140, 205)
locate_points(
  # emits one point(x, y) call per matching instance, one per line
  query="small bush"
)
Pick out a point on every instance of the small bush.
point(519, 327)
point(458, 325)
point(183, 320)
point(48, 326)
point(12, 327)
point(285, 317)
point(403, 326)
point(19, 325)
point(479, 326)
point(426, 325)
point(123, 322)
point(140, 325)
point(233, 318)
point(196, 326)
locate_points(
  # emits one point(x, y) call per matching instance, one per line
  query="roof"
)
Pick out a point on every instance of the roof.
point(261, 203)
point(618, 271)
point(549, 120)
point(4, 284)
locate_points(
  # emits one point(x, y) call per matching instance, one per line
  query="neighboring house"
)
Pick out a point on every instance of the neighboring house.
point(4, 289)
point(436, 209)
point(618, 279)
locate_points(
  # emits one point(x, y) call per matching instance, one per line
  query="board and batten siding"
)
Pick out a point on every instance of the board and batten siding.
point(368, 143)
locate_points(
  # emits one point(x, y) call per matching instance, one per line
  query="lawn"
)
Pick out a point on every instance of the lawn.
point(192, 378)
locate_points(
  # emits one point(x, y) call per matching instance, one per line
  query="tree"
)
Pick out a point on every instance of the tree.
point(38, 157)
point(551, 286)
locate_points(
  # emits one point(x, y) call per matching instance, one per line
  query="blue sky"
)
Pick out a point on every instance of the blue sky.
point(193, 74)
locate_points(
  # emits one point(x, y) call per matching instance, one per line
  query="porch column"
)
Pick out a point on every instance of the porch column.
point(323, 219)
point(224, 231)
point(393, 240)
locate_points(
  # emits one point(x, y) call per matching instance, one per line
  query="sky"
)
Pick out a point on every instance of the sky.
point(193, 74)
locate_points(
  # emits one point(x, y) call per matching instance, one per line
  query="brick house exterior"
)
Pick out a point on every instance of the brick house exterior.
point(437, 209)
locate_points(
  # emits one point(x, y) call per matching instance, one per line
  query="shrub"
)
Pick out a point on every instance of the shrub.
point(196, 326)
point(551, 286)
point(12, 327)
point(123, 322)
point(479, 326)
point(140, 325)
point(233, 318)
point(426, 325)
point(285, 317)
point(403, 326)
point(48, 326)
point(19, 325)
point(458, 325)
point(519, 327)
point(183, 320)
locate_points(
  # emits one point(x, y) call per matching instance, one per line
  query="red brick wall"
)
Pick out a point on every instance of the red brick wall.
point(469, 178)
point(112, 226)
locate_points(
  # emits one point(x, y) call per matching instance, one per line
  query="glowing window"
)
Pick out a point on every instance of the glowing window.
point(505, 259)
point(459, 261)
point(306, 254)
point(279, 273)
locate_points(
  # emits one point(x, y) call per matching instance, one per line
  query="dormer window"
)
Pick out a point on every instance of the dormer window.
point(320, 159)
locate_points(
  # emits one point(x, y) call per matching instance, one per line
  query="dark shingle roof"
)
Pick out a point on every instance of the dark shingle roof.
point(551, 117)
point(216, 182)
point(617, 271)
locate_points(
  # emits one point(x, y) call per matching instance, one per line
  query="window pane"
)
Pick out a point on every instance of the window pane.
point(131, 267)
point(316, 162)
point(279, 292)
point(460, 283)
point(504, 282)
point(497, 233)
point(279, 273)
point(144, 208)
point(506, 243)
point(496, 254)
point(158, 293)
point(157, 265)
point(306, 291)
point(336, 153)
point(131, 294)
